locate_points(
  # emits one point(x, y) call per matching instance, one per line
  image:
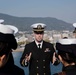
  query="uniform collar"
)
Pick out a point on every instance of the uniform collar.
point(39, 43)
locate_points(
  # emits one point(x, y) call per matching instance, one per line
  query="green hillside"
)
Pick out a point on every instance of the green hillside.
point(24, 23)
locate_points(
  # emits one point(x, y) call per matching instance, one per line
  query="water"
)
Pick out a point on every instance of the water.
point(17, 56)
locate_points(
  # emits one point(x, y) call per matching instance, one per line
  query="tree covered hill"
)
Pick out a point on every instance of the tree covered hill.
point(24, 23)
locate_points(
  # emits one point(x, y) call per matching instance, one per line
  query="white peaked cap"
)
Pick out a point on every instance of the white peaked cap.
point(67, 41)
point(8, 29)
point(74, 24)
point(1, 20)
point(15, 29)
point(36, 25)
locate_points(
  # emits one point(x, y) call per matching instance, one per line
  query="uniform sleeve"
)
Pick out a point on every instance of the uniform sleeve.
point(57, 60)
point(52, 51)
point(22, 60)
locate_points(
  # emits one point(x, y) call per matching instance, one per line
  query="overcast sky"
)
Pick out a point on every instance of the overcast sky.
point(61, 9)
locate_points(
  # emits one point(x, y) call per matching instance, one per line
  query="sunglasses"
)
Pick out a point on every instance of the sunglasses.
point(38, 32)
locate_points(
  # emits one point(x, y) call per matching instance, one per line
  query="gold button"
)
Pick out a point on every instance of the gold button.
point(43, 66)
point(37, 67)
point(37, 73)
point(44, 73)
point(43, 60)
point(37, 60)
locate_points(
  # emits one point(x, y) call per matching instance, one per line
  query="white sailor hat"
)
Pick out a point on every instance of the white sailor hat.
point(1, 21)
point(74, 25)
point(38, 26)
point(67, 41)
point(8, 29)
point(66, 45)
point(7, 35)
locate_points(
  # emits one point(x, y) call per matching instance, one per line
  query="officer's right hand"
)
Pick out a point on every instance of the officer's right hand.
point(27, 57)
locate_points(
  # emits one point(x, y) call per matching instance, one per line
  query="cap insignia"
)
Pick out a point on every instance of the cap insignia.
point(39, 26)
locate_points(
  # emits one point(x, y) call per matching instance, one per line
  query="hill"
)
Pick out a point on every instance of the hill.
point(24, 23)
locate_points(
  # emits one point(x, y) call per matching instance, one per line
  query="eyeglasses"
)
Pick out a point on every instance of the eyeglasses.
point(38, 32)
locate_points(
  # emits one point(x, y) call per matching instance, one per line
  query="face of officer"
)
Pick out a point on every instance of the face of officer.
point(38, 35)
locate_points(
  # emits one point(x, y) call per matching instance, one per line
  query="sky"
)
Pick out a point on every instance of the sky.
point(61, 9)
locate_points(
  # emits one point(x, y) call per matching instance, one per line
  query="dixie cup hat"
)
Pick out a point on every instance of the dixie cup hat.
point(66, 45)
point(7, 33)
